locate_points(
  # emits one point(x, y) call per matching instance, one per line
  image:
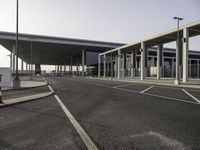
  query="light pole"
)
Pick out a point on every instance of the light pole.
point(177, 80)
point(16, 83)
point(31, 73)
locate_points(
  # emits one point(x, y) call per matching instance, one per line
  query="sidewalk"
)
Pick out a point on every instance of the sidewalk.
point(32, 90)
point(27, 83)
point(194, 84)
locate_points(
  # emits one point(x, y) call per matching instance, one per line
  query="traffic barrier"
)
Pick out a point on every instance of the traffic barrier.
point(0, 90)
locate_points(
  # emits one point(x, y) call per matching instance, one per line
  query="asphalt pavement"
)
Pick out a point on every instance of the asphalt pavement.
point(114, 115)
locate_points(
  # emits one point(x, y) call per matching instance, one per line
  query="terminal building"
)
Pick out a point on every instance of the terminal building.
point(145, 58)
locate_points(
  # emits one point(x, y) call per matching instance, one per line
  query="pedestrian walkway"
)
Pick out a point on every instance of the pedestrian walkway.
point(30, 90)
point(27, 83)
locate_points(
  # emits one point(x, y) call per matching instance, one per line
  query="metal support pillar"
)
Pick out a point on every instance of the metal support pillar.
point(133, 63)
point(26, 68)
point(58, 69)
point(124, 58)
point(111, 66)
point(198, 68)
point(172, 67)
point(14, 53)
point(185, 54)
point(177, 79)
point(64, 68)
point(116, 63)
point(11, 61)
point(16, 81)
point(108, 66)
point(119, 64)
point(22, 66)
point(83, 62)
point(61, 69)
point(159, 60)
point(122, 69)
point(31, 64)
point(71, 66)
point(104, 65)
point(142, 61)
point(76, 67)
point(99, 66)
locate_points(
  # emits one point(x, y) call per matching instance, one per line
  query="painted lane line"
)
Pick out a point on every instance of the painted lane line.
point(50, 88)
point(132, 91)
point(123, 85)
point(86, 139)
point(145, 90)
point(194, 98)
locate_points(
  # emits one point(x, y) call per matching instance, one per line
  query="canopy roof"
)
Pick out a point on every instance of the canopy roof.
point(162, 38)
point(52, 50)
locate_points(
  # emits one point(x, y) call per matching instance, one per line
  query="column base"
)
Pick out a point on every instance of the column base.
point(16, 83)
point(133, 72)
point(185, 80)
point(176, 82)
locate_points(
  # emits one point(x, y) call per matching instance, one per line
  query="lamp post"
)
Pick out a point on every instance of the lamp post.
point(177, 79)
point(31, 73)
point(16, 83)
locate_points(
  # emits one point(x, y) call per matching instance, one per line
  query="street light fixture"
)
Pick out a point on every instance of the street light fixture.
point(177, 80)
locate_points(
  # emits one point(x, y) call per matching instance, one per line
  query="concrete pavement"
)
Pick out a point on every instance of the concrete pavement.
point(27, 83)
point(25, 94)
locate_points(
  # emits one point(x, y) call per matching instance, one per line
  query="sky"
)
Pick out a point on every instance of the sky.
point(121, 21)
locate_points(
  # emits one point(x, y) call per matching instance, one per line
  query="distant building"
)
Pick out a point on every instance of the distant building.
point(168, 68)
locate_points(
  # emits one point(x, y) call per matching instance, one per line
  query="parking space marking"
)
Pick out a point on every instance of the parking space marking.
point(171, 98)
point(127, 90)
point(50, 88)
point(123, 85)
point(194, 98)
point(86, 139)
point(147, 89)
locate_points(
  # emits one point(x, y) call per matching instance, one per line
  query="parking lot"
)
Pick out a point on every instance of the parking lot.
point(169, 93)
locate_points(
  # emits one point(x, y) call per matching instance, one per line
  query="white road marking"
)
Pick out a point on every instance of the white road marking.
point(194, 98)
point(147, 89)
point(50, 88)
point(127, 90)
point(170, 98)
point(123, 85)
point(155, 138)
point(86, 139)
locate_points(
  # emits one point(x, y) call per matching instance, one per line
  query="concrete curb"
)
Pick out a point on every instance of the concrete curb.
point(24, 99)
point(151, 83)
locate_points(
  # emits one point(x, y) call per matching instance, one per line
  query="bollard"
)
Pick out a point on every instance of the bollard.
point(0, 90)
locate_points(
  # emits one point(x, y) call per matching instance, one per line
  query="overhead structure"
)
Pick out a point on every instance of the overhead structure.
point(185, 32)
point(52, 50)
